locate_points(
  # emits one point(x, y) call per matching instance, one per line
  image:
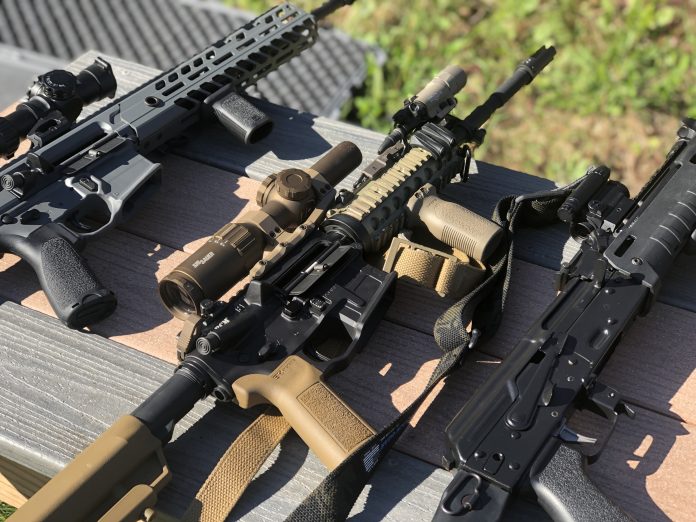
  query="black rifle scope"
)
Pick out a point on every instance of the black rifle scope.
point(53, 104)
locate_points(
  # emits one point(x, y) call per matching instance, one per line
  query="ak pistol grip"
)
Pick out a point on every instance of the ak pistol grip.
point(454, 224)
point(327, 425)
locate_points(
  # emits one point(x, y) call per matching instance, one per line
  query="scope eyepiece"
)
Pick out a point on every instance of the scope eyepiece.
point(10, 137)
point(96, 82)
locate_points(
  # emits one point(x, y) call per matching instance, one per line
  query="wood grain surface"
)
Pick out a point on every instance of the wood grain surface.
point(73, 395)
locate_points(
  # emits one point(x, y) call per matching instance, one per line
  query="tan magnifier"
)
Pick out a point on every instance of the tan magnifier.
point(285, 200)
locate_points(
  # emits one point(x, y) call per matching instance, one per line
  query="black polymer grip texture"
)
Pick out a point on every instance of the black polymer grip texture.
point(75, 293)
point(568, 495)
point(244, 121)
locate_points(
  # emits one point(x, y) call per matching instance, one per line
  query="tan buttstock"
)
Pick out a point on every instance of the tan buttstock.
point(454, 225)
point(328, 426)
point(116, 478)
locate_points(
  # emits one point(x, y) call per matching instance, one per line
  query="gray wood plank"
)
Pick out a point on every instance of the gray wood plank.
point(53, 377)
point(546, 250)
point(62, 388)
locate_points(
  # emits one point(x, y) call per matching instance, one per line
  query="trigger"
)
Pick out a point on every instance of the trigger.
point(624, 408)
point(572, 437)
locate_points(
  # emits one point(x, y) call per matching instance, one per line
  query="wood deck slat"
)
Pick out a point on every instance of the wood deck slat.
point(62, 388)
point(197, 197)
point(302, 138)
point(72, 386)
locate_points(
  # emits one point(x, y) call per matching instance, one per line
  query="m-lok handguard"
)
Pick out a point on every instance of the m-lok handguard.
point(79, 181)
point(312, 301)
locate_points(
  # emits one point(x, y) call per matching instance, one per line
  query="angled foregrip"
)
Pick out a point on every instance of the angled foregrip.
point(116, 478)
point(74, 292)
point(327, 425)
point(566, 492)
point(454, 224)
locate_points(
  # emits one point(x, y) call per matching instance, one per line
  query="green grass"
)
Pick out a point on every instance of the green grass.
point(5, 511)
point(623, 75)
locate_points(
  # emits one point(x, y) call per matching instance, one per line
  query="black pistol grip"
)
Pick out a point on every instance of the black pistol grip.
point(567, 494)
point(75, 293)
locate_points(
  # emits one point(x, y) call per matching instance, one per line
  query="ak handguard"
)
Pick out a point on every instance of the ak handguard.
point(514, 431)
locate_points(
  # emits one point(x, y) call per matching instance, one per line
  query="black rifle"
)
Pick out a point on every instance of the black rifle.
point(513, 432)
point(311, 305)
point(79, 181)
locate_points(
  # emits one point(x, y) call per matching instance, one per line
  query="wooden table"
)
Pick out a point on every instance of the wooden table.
point(61, 388)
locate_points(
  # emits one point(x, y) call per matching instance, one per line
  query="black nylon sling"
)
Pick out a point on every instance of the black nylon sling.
point(483, 307)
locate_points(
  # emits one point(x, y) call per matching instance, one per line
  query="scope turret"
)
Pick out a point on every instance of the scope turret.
point(54, 103)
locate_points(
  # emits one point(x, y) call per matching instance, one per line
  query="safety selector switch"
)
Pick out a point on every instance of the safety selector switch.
point(18, 181)
point(293, 309)
point(88, 183)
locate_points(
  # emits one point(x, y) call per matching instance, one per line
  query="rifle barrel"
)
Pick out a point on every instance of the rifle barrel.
point(526, 71)
point(329, 7)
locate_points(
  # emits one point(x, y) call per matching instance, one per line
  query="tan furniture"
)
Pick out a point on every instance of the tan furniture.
point(60, 388)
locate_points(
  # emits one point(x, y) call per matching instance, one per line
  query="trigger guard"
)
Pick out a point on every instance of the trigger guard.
point(604, 401)
point(461, 494)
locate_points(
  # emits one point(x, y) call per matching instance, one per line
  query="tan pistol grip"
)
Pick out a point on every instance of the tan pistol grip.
point(327, 425)
point(117, 477)
point(456, 226)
